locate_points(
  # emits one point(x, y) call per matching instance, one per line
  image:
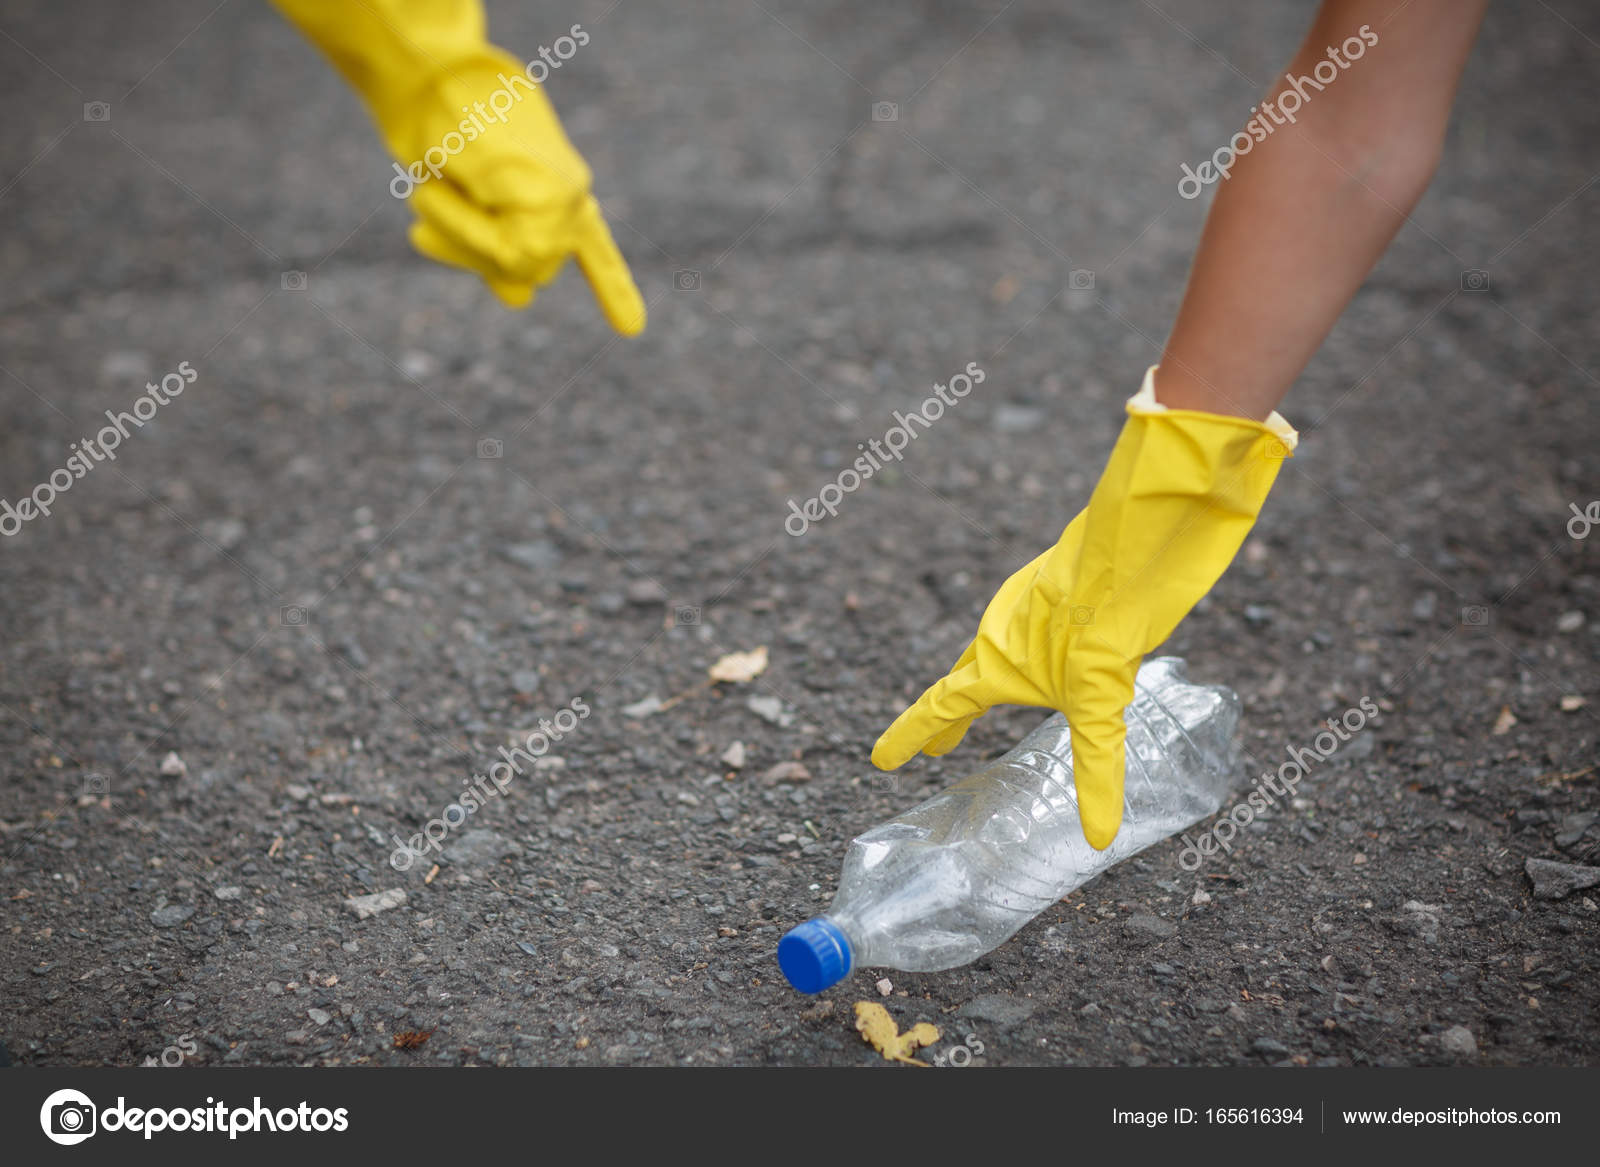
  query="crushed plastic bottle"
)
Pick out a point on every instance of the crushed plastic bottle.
point(949, 880)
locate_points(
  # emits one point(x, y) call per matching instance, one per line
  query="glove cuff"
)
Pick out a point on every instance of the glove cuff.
point(1144, 403)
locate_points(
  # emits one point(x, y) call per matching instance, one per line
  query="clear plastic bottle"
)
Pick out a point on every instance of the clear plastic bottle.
point(958, 875)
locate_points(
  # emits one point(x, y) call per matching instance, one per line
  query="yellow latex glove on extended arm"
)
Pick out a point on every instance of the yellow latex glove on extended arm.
point(1180, 493)
point(511, 201)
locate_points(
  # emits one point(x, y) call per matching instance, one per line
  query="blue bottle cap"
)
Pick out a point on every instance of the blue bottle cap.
point(814, 955)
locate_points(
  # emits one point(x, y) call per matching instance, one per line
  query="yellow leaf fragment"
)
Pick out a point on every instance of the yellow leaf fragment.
point(738, 667)
point(879, 1031)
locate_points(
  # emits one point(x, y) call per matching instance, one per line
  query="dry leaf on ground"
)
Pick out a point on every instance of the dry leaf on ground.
point(738, 667)
point(879, 1030)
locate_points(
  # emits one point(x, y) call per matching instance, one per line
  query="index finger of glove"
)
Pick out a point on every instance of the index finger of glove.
point(607, 272)
point(950, 703)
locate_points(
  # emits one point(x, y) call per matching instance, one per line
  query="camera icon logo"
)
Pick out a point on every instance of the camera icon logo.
point(293, 616)
point(686, 616)
point(1474, 279)
point(1082, 615)
point(294, 281)
point(97, 111)
point(68, 1117)
point(1475, 616)
point(885, 111)
point(96, 785)
point(1080, 279)
point(489, 448)
point(686, 280)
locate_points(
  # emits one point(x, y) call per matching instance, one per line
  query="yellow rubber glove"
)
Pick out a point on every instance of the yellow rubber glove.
point(495, 184)
point(1180, 493)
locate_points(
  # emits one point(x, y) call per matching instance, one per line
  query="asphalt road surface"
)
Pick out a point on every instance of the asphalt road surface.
point(387, 527)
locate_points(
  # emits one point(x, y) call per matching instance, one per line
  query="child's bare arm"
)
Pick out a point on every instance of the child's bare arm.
point(1304, 215)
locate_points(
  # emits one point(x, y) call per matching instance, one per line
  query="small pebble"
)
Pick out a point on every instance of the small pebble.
point(769, 709)
point(646, 592)
point(786, 772)
point(1554, 881)
point(1458, 1040)
point(368, 906)
point(644, 708)
point(1146, 927)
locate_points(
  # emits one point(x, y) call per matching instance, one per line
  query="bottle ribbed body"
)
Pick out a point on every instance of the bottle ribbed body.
point(952, 878)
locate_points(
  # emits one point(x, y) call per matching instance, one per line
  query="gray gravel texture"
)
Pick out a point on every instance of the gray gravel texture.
point(304, 580)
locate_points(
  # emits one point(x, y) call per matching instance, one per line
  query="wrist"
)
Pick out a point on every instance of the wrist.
point(1177, 387)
